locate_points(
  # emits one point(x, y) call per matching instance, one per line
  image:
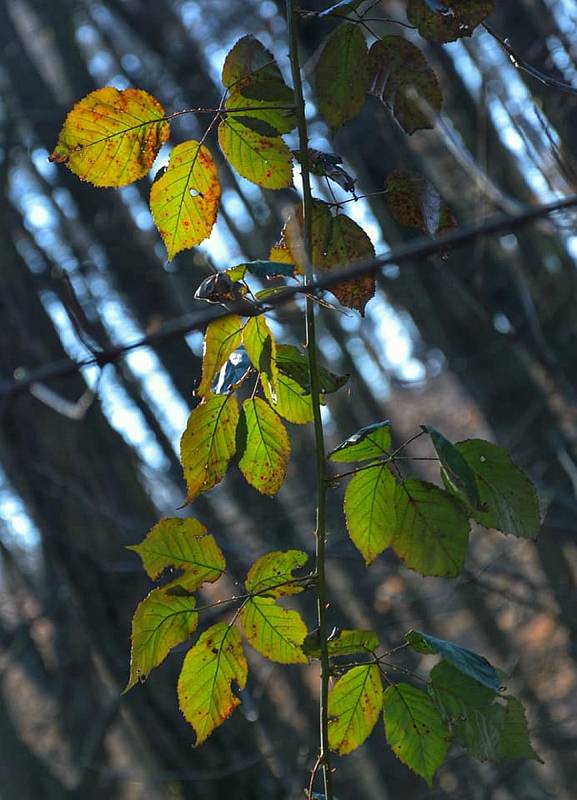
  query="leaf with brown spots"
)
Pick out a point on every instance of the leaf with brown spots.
point(264, 160)
point(184, 199)
point(274, 632)
point(264, 446)
point(403, 80)
point(221, 339)
point(448, 19)
point(272, 574)
point(413, 201)
point(355, 702)
point(111, 137)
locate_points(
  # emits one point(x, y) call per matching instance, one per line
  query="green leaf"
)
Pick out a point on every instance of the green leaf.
point(342, 643)
point(184, 199)
point(264, 160)
point(289, 401)
point(412, 200)
point(293, 363)
point(208, 443)
point(251, 69)
point(266, 450)
point(161, 621)
point(403, 80)
point(112, 137)
point(514, 741)
point(370, 510)
point(342, 76)
point(205, 693)
point(274, 116)
point(507, 495)
point(367, 443)
point(261, 347)
point(415, 729)
point(432, 531)
point(456, 18)
point(355, 702)
point(456, 468)
point(466, 661)
point(273, 631)
point(221, 339)
point(181, 544)
point(272, 574)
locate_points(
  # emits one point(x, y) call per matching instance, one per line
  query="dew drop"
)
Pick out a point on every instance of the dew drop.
point(195, 193)
point(482, 459)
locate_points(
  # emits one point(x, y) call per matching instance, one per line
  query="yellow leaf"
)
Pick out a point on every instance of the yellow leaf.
point(184, 199)
point(273, 631)
point(111, 137)
point(222, 338)
point(265, 451)
point(355, 702)
point(272, 574)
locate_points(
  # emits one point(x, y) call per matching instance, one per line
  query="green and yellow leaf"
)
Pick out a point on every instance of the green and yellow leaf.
point(272, 574)
point(261, 347)
point(355, 702)
point(211, 666)
point(221, 339)
point(290, 402)
point(264, 160)
point(367, 443)
point(208, 443)
point(112, 137)
point(342, 643)
point(265, 450)
point(273, 631)
point(370, 510)
point(184, 199)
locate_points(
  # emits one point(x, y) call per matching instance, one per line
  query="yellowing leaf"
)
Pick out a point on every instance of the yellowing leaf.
point(432, 532)
point(348, 243)
point(264, 160)
point(260, 345)
point(205, 693)
point(413, 201)
point(370, 510)
point(272, 574)
point(265, 451)
point(208, 443)
point(355, 702)
point(342, 643)
point(111, 137)
point(452, 20)
point(405, 83)
point(184, 199)
point(415, 729)
point(273, 631)
point(290, 401)
point(367, 443)
point(182, 544)
point(342, 75)
point(162, 620)
point(292, 236)
point(221, 339)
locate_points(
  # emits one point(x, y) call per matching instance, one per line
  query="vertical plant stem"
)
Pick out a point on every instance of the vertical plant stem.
point(320, 532)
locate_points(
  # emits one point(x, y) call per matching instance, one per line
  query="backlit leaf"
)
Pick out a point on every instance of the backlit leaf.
point(456, 468)
point(342, 643)
point(289, 401)
point(403, 80)
point(211, 666)
point(355, 702)
point(273, 631)
point(208, 443)
point(221, 339)
point(184, 199)
point(265, 452)
point(415, 729)
point(261, 347)
point(466, 661)
point(367, 443)
point(342, 75)
point(370, 510)
point(452, 20)
point(251, 69)
point(161, 621)
point(272, 574)
point(294, 363)
point(112, 137)
point(267, 117)
point(264, 160)
point(432, 531)
point(507, 495)
point(292, 237)
point(413, 201)
point(181, 544)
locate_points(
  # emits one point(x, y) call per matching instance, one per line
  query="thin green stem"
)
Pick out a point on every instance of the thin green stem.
point(320, 532)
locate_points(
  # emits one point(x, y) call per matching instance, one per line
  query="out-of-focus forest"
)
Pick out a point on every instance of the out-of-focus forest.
point(480, 343)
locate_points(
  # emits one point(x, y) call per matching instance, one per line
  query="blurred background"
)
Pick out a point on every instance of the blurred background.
point(483, 343)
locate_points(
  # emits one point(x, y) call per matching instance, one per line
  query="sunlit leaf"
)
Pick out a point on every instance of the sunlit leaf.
point(208, 443)
point(292, 237)
point(367, 443)
point(508, 497)
point(181, 544)
point(289, 400)
point(432, 531)
point(413, 201)
point(273, 631)
point(264, 160)
point(205, 694)
point(273, 574)
point(342, 75)
point(342, 643)
point(265, 451)
point(370, 510)
point(404, 81)
point(456, 468)
point(261, 347)
point(222, 338)
point(161, 621)
point(452, 20)
point(415, 729)
point(466, 661)
point(294, 363)
point(184, 199)
point(355, 702)
point(112, 137)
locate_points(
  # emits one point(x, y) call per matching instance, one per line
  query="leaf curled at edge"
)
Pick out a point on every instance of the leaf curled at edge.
point(223, 336)
point(210, 668)
point(454, 19)
point(264, 457)
point(369, 442)
point(355, 702)
point(261, 347)
point(101, 142)
point(272, 574)
point(456, 468)
point(184, 200)
point(273, 631)
point(413, 201)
